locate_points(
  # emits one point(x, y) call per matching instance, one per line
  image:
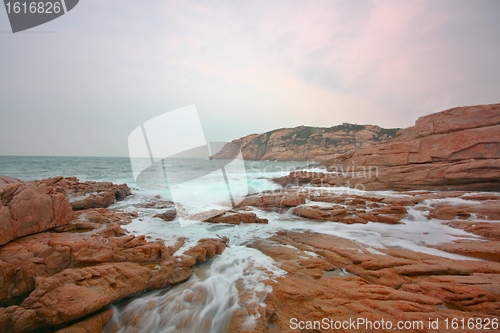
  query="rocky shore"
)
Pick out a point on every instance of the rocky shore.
point(65, 256)
point(453, 149)
point(305, 143)
point(337, 278)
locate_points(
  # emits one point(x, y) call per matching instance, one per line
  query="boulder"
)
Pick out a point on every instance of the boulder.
point(237, 218)
point(89, 194)
point(30, 209)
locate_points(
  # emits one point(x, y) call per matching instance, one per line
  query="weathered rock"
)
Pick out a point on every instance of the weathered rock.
point(304, 143)
point(85, 195)
point(48, 253)
point(26, 210)
point(278, 200)
point(206, 249)
point(100, 200)
point(488, 210)
point(4, 180)
point(48, 266)
point(169, 215)
point(66, 268)
point(94, 324)
point(445, 150)
point(237, 218)
point(18, 319)
point(482, 250)
point(396, 286)
point(485, 229)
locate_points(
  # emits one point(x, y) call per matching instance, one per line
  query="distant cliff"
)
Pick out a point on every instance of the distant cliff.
point(306, 143)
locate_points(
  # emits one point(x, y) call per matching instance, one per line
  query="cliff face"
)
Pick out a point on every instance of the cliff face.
point(453, 149)
point(306, 143)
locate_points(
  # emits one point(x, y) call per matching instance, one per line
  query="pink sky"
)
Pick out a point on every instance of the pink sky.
point(249, 67)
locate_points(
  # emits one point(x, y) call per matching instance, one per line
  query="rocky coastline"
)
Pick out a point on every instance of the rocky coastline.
point(65, 256)
point(306, 143)
point(62, 262)
point(453, 149)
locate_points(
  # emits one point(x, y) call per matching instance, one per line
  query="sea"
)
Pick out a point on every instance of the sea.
point(219, 282)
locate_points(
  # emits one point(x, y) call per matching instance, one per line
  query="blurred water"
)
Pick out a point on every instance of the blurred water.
point(207, 301)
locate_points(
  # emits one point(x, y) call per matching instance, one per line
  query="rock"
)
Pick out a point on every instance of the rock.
point(445, 150)
point(94, 324)
point(71, 275)
point(168, 215)
point(100, 200)
point(489, 210)
point(69, 265)
point(345, 281)
point(390, 219)
point(304, 143)
point(481, 250)
point(18, 319)
point(485, 229)
point(85, 195)
point(276, 201)
point(319, 214)
point(4, 180)
point(206, 249)
point(46, 254)
point(76, 292)
point(448, 213)
point(237, 218)
point(26, 210)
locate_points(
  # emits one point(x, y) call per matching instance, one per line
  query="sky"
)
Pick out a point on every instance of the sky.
point(80, 84)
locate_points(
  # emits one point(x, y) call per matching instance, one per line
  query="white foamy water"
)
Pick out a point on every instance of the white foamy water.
point(209, 298)
point(214, 286)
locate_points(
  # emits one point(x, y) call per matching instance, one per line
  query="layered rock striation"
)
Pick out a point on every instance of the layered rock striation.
point(453, 149)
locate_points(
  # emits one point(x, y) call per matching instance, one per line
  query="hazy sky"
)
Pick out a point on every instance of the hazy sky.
point(249, 66)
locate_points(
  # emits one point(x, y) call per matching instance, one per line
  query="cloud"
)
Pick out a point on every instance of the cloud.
point(248, 66)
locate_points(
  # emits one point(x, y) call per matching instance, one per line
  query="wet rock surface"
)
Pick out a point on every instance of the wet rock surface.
point(317, 250)
point(237, 218)
point(60, 273)
point(331, 277)
point(64, 278)
point(336, 278)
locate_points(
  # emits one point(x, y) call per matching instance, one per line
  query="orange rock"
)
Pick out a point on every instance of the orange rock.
point(305, 143)
point(31, 209)
point(485, 229)
point(476, 249)
point(444, 150)
point(206, 249)
point(237, 218)
point(399, 285)
point(89, 325)
point(18, 319)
